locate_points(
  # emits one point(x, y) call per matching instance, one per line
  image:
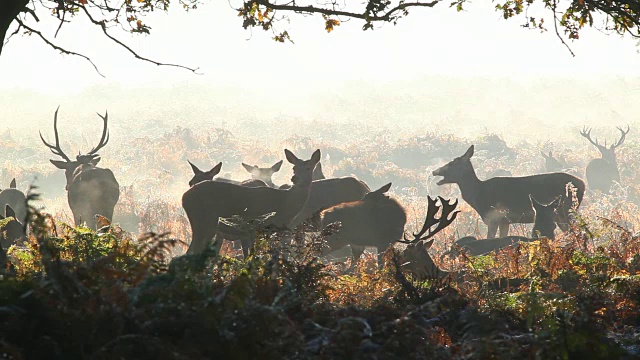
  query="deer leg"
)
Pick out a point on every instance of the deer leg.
point(504, 227)
point(203, 229)
point(493, 228)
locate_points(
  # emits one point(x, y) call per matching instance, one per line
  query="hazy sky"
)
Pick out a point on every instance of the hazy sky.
point(320, 70)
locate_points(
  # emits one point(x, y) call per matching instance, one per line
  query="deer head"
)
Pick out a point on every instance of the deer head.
point(263, 174)
point(457, 169)
point(545, 215)
point(553, 164)
point(607, 153)
point(200, 176)
point(89, 159)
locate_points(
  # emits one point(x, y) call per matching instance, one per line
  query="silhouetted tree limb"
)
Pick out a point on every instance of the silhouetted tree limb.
point(569, 16)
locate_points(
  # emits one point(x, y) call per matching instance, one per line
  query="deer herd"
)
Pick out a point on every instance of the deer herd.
point(363, 217)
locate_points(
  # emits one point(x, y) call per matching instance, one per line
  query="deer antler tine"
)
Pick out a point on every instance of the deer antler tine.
point(55, 149)
point(104, 139)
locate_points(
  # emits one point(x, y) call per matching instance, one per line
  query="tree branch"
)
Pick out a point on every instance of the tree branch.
point(103, 26)
point(56, 47)
point(365, 16)
point(555, 25)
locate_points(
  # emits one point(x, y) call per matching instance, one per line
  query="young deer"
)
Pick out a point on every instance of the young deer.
point(375, 220)
point(502, 201)
point(16, 200)
point(543, 226)
point(90, 190)
point(602, 172)
point(206, 202)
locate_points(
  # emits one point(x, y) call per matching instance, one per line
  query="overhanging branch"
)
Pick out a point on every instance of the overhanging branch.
point(310, 9)
point(56, 47)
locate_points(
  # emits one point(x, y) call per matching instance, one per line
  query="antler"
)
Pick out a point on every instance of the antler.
point(445, 219)
point(55, 148)
point(105, 135)
point(586, 133)
point(622, 137)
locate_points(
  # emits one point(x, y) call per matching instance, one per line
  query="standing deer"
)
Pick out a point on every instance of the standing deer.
point(543, 226)
point(263, 174)
point(375, 220)
point(206, 202)
point(552, 164)
point(317, 175)
point(602, 172)
point(16, 200)
point(502, 201)
point(90, 190)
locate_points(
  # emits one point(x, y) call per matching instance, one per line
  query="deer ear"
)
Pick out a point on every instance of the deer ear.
point(290, 157)
point(194, 168)
point(384, 188)
point(95, 161)
point(248, 167)
point(555, 203)
point(61, 164)
point(427, 244)
point(276, 166)
point(13, 183)
point(469, 152)
point(9, 212)
point(316, 156)
point(215, 170)
point(534, 203)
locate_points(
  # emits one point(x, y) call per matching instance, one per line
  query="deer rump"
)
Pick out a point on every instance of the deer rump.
point(509, 196)
point(327, 193)
point(92, 191)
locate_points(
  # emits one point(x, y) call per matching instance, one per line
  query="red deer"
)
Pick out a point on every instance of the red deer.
point(416, 254)
point(317, 175)
point(602, 172)
point(543, 226)
point(16, 200)
point(375, 220)
point(502, 201)
point(90, 190)
point(552, 164)
point(206, 202)
point(199, 175)
point(263, 174)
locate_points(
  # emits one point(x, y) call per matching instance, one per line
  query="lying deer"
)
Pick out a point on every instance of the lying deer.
point(375, 220)
point(416, 255)
point(502, 201)
point(16, 200)
point(543, 226)
point(602, 172)
point(206, 202)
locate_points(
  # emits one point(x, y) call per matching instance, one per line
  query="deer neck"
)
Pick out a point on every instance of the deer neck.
point(470, 187)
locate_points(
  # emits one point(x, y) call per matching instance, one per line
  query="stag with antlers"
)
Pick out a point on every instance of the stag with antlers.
point(91, 190)
point(603, 171)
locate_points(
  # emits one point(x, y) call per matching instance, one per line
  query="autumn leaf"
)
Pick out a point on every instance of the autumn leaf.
point(83, 2)
point(330, 24)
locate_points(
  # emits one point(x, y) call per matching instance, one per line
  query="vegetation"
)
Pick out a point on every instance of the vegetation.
point(74, 293)
point(567, 18)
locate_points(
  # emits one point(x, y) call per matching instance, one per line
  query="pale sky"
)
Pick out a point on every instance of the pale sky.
point(320, 70)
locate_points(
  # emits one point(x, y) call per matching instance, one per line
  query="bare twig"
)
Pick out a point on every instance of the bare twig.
point(555, 25)
point(56, 47)
point(103, 26)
